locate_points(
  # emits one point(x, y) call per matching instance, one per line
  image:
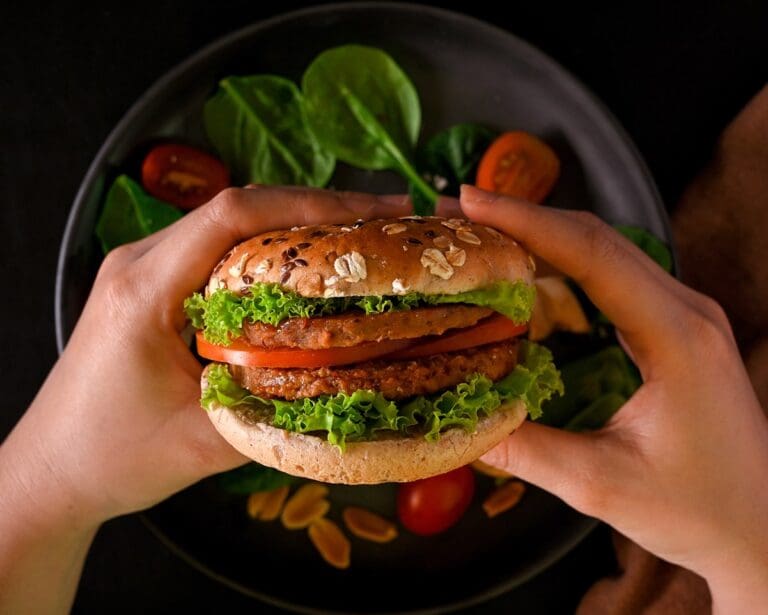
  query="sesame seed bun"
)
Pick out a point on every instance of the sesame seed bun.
point(429, 255)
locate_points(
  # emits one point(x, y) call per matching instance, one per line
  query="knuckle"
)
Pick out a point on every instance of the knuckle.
point(601, 240)
point(116, 260)
point(224, 205)
point(707, 328)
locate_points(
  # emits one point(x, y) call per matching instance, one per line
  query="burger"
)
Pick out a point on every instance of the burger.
point(380, 351)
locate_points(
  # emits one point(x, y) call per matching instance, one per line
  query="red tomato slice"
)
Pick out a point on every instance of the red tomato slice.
point(183, 175)
point(520, 165)
point(240, 352)
point(432, 505)
point(492, 329)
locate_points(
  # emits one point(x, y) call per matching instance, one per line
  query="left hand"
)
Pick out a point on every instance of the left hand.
point(117, 425)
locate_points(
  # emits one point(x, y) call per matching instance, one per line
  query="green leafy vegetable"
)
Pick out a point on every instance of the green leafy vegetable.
point(648, 243)
point(362, 414)
point(130, 214)
point(450, 158)
point(363, 108)
point(596, 386)
point(222, 314)
point(259, 128)
point(253, 478)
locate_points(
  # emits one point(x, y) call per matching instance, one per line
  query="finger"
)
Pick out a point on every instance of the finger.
point(449, 207)
point(632, 295)
point(182, 262)
point(567, 464)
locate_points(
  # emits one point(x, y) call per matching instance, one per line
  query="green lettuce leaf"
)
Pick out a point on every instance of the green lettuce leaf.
point(362, 414)
point(221, 315)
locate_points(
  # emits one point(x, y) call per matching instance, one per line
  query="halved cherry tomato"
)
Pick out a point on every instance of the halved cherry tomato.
point(183, 175)
point(520, 165)
point(492, 329)
point(240, 352)
point(432, 505)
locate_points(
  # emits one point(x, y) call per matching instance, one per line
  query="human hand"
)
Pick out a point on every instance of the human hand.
point(118, 425)
point(680, 469)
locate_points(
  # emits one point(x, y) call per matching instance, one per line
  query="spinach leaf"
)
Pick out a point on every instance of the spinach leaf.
point(364, 109)
point(259, 128)
point(648, 243)
point(596, 386)
point(450, 158)
point(252, 478)
point(130, 214)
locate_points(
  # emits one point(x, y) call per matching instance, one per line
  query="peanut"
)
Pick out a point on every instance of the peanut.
point(370, 526)
point(504, 498)
point(305, 506)
point(330, 542)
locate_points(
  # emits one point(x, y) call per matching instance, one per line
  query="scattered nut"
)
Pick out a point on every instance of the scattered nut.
point(443, 242)
point(393, 229)
point(255, 503)
point(330, 542)
point(370, 526)
point(331, 281)
point(435, 261)
point(270, 505)
point(305, 506)
point(468, 237)
point(398, 287)
point(456, 256)
point(504, 498)
point(351, 267)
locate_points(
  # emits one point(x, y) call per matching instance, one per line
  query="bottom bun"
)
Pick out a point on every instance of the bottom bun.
point(394, 458)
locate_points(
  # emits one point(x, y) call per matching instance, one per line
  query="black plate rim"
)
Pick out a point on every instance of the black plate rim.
point(531, 54)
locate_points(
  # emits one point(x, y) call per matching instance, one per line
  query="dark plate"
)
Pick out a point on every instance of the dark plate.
point(464, 70)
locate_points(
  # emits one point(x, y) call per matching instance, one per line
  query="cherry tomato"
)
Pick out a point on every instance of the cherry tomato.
point(519, 164)
point(432, 505)
point(183, 175)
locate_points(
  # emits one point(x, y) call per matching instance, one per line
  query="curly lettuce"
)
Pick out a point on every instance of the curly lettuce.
point(362, 414)
point(221, 315)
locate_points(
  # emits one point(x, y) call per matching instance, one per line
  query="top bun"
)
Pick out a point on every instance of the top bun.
point(428, 255)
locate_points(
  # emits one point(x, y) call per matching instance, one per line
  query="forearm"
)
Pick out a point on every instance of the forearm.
point(44, 537)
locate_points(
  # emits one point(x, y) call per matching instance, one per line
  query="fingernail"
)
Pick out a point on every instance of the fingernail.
point(471, 194)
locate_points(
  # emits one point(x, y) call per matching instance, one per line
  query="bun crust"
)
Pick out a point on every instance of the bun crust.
point(429, 255)
point(394, 459)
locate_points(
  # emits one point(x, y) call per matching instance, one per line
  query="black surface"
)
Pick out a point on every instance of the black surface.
point(673, 75)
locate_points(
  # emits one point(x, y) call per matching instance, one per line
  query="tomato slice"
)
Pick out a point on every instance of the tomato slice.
point(492, 329)
point(183, 175)
point(432, 505)
point(520, 165)
point(240, 352)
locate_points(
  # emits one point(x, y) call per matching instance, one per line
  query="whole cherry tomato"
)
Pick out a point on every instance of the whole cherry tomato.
point(183, 175)
point(432, 505)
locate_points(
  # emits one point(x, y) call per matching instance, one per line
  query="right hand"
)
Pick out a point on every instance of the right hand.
point(681, 468)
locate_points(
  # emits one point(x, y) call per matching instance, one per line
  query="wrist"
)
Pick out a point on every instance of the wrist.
point(41, 493)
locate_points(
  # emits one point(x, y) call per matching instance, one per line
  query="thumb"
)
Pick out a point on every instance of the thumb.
point(567, 464)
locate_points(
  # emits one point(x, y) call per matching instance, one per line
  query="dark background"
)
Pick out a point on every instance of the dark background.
point(673, 76)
